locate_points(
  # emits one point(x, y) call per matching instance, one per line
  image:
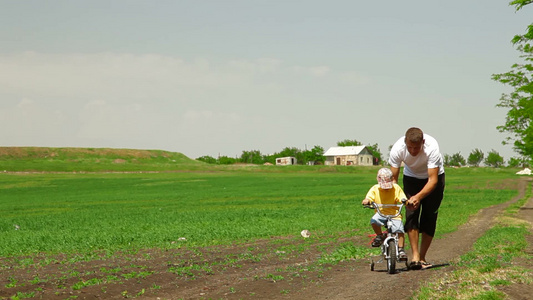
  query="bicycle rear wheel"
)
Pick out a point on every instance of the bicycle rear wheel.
point(391, 254)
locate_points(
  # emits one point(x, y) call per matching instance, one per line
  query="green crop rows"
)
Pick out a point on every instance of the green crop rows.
point(66, 213)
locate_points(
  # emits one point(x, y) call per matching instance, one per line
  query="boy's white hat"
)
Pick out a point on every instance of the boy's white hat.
point(385, 178)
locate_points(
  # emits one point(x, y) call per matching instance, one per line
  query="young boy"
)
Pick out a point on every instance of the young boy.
point(386, 192)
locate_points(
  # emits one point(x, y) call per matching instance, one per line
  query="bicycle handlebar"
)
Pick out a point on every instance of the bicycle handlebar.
point(378, 208)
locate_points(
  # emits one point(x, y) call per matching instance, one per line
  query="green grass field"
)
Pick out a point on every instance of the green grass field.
point(83, 212)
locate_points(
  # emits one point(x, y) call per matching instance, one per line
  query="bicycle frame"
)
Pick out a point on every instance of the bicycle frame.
point(391, 256)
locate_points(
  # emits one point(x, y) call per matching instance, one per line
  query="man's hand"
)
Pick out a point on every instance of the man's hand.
point(413, 203)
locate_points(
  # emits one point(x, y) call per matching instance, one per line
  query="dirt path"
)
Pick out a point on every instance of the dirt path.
point(261, 270)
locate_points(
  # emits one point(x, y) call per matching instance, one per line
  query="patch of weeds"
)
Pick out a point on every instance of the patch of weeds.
point(500, 282)
point(490, 295)
point(140, 293)
point(112, 278)
point(275, 277)
point(229, 261)
point(26, 262)
point(489, 265)
point(84, 283)
point(496, 248)
point(346, 251)
point(74, 274)
point(47, 261)
point(80, 258)
point(185, 271)
point(196, 252)
point(110, 271)
point(251, 257)
point(36, 280)
point(512, 209)
point(12, 282)
point(21, 295)
point(142, 274)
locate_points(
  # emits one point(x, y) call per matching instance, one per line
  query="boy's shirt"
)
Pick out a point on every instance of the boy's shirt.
point(389, 196)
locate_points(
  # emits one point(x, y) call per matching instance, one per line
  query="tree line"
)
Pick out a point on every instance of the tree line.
point(303, 157)
point(316, 156)
point(476, 157)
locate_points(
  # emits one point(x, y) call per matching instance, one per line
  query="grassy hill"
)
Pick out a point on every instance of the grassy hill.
point(43, 159)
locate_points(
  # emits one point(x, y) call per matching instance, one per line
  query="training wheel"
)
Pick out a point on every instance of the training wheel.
point(372, 266)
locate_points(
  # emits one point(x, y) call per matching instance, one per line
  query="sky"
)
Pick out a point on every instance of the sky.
point(221, 77)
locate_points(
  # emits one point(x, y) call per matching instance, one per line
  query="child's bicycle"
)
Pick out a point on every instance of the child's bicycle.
point(389, 248)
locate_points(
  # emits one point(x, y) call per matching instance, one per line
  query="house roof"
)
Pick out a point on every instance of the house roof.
point(349, 150)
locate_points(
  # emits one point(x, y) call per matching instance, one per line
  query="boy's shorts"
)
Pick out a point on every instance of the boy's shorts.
point(397, 224)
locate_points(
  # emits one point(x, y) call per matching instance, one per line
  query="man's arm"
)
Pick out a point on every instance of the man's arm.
point(433, 178)
point(395, 174)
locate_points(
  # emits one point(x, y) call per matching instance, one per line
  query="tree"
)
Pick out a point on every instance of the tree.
point(456, 160)
point(520, 3)
point(346, 143)
point(494, 159)
point(476, 157)
point(270, 158)
point(316, 154)
point(376, 152)
point(516, 162)
point(207, 159)
point(252, 157)
point(520, 101)
point(513, 162)
point(225, 160)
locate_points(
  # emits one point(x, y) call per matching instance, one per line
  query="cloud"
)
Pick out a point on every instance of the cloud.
point(203, 107)
point(81, 77)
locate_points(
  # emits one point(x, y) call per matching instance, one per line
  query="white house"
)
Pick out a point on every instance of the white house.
point(349, 156)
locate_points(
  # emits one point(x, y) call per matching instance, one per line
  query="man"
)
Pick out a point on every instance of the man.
point(423, 183)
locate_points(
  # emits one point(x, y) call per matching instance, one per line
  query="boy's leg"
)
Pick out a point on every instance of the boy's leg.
point(377, 229)
point(397, 227)
point(377, 223)
point(401, 251)
point(401, 240)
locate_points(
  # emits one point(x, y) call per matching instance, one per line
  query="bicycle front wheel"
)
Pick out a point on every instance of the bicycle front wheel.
point(391, 254)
